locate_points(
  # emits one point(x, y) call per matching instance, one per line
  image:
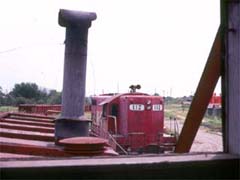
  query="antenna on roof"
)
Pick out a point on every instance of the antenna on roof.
point(134, 87)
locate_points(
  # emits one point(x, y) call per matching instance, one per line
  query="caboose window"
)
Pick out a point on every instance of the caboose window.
point(104, 113)
point(94, 102)
point(114, 110)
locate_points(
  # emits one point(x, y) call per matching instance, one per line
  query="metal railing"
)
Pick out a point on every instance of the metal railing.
point(97, 131)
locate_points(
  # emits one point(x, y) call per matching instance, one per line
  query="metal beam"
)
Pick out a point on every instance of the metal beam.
point(201, 98)
point(231, 83)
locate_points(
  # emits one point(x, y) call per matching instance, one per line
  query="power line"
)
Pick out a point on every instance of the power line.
point(27, 46)
point(9, 50)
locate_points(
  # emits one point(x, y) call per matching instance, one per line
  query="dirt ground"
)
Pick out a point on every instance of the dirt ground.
point(205, 140)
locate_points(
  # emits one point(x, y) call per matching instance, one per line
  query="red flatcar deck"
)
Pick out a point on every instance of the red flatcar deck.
point(24, 135)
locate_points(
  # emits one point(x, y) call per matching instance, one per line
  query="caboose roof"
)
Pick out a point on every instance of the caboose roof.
point(118, 96)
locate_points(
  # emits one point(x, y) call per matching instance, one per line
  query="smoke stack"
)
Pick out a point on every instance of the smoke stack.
point(72, 123)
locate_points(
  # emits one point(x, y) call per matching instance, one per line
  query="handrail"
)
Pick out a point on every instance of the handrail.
point(113, 139)
point(107, 135)
point(115, 122)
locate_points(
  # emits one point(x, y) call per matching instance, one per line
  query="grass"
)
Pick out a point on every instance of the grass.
point(213, 123)
point(8, 108)
point(176, 110)
point(87, 115)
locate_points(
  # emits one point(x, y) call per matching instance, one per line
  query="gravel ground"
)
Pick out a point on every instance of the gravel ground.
point(205, 140)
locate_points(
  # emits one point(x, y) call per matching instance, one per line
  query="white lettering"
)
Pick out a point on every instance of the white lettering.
point(136, 107)
point(157, 107)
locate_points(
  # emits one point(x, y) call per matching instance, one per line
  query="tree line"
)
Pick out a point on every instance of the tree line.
point(29, 93)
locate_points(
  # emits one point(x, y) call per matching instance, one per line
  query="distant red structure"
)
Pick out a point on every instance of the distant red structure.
point(39, 108)
point(215, 101)
point(215, 106)
point(46, 109)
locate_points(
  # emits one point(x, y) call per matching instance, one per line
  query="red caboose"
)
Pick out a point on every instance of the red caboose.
point(133, 121)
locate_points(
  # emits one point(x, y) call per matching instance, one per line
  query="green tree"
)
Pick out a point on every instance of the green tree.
point(25, 93)
point(2, 97)
point(26, 90)
point(54, 97)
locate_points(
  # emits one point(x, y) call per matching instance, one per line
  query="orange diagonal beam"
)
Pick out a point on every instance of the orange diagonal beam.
point(201, 98)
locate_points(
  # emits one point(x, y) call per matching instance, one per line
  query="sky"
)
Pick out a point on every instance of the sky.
point(161, 45)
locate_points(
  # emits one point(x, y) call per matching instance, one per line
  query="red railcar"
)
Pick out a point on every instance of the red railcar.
point(214, 106)
point(39, 108)
point(215, 101)
point(47, 109)
point(132, 121)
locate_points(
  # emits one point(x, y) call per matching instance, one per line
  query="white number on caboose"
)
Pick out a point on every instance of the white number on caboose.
point(157, 107)
point(136, 107)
